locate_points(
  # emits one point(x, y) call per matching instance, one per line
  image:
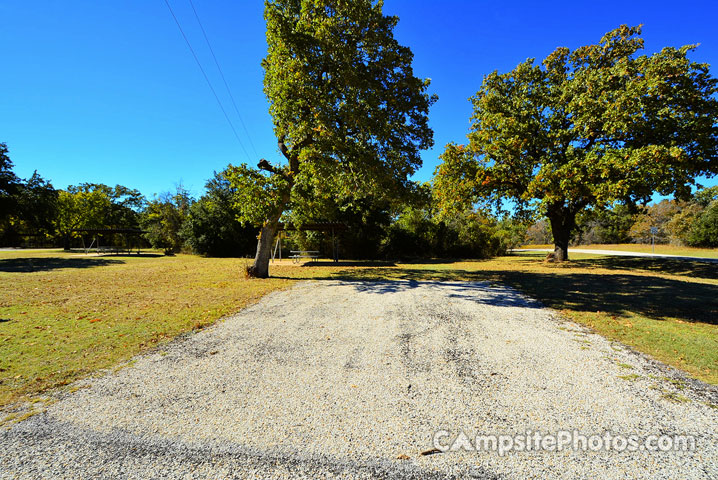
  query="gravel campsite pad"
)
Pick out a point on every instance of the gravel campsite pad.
point(335, 379)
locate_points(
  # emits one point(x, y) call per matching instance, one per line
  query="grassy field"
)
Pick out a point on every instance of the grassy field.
point(634, 247)
point(63, 316)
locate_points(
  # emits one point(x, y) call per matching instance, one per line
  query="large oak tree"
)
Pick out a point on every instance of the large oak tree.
point(591, 127)
point(349, 115)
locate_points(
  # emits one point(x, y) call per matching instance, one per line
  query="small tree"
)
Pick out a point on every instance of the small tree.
point(164, 217)
point(349, 115)
point(591, 127)
point(79, 208)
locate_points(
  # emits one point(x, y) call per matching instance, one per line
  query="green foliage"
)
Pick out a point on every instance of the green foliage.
point(26, 206)
point(417, 233)
point(349, 115)
point(348, 112)
point(679, 226)
point(8, 185)
point(257, 195)
point(704, 231)
point(79, 208)
point(591, 127)
point(366, 219)
point(510, 234)
point(125, 204)
point(36, 208)
point(96, 206)
point(164, 217)
point(705, 196)
point(212, 228)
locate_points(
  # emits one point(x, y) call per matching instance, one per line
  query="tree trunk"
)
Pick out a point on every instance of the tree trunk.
point(260, 268)
point(561, 236)
point(563, 221)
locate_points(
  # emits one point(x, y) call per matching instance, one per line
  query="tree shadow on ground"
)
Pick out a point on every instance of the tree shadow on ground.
point(688, 268)
point(617, 294)
point(132, 255)
point(614, 285)
point(329, 263)
point(39, 264)
point(576, 289)
point(476, 291)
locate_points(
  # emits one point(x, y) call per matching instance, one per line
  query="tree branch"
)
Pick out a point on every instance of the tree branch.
point(268, 167)
point(293, 155)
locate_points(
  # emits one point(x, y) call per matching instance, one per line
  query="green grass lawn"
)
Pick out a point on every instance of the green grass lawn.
point(64, 316)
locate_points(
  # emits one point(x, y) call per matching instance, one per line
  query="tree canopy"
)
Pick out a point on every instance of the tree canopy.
point(349, 115)
point(589, 127)
point(8, 183)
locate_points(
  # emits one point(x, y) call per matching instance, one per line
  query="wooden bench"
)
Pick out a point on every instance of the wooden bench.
point(298, 255)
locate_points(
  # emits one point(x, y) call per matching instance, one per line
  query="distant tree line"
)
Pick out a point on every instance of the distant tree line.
point(34, 213)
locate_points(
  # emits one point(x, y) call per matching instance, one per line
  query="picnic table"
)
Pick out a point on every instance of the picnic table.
point(298, 255)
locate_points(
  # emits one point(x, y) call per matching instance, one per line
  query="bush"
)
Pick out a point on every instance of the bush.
point(704, 231)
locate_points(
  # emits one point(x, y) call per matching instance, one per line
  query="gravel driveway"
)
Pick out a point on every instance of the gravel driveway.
point(335, 379)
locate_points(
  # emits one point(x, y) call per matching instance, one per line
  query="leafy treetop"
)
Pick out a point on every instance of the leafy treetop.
point(588, 127)
point(349, 115)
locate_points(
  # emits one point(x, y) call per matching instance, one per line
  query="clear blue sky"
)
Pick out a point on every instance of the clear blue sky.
point(100, 91)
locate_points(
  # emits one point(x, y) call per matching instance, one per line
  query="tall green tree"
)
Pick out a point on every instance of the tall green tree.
point(349, 115)
point(9, 184)
point(591, 127)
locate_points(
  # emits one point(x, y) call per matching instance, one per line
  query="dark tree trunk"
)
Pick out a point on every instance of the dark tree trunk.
point(563, 221)
point(260, 268)
point(561, 236)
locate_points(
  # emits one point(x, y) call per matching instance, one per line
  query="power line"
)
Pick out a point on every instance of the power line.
point(204, 74)
point(226, 85)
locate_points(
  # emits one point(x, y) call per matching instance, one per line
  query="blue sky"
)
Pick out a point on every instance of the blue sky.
point(98, 91)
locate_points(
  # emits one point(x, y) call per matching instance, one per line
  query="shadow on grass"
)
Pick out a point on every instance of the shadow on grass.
point(132, 255)
point(323, 263)
point(616, 294)
point(35, 264)
point(574, 286)
point(688, 268)
point(576, 289)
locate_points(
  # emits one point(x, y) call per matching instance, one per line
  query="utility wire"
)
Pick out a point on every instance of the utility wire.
point(216, 97)
point(226, 85)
